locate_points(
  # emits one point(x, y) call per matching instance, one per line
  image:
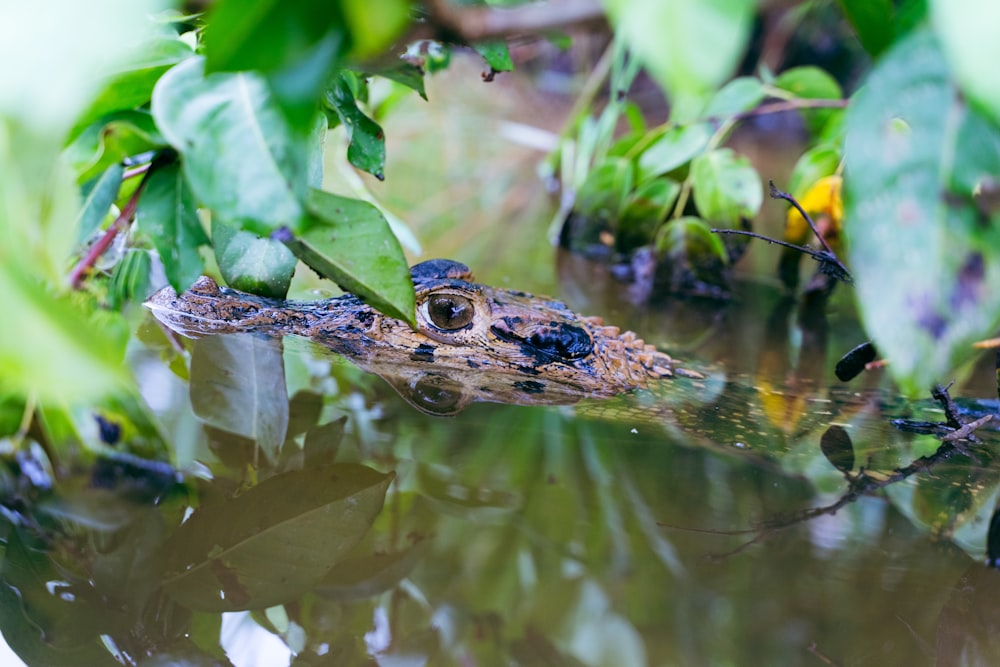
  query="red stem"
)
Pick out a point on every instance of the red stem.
point(121, 223)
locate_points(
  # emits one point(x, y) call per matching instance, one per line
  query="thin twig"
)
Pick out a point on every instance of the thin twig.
point(778, 194)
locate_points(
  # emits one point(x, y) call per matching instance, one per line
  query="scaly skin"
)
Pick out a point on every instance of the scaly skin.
point(514, 348)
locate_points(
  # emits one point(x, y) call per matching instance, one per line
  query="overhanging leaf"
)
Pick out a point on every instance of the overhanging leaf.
point(924, 248)
point(241, 157)
point(366, 150)
point(274, 542)
point(251, 263)
point(238, 385)
point(167, 214)
point(350, 242)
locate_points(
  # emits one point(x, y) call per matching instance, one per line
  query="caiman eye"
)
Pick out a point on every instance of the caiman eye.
point(449, 312)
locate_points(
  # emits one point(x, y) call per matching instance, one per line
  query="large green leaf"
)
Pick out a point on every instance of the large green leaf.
point(967, 29)
point(167, 214)
point(252, 263)
point(689, 46)
point(726, 187)
point(924, 249)
point(241, 157)
point(350, 242)
point(274, 542)
point(50, 348)
point(131, 84)
point(872, 20)
point(238, 386)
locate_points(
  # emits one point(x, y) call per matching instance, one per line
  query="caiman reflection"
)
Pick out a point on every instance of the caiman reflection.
point(473, 342)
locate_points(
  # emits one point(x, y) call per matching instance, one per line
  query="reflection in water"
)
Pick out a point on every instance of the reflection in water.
point(673, 525)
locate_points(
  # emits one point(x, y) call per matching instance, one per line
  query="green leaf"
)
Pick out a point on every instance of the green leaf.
point(131, 85)
point(968, 37)
point(678, 146)
point(130, 279)
point(689, 239)
point(923, 244)
point(98, 196)
point(814, 164)
point(251, 263)
point(809, 83)
point(71, 357)
point(266, 35)
point(726, 187)
point(739, 95)
point(689, 46)
point(406, 74)
point(110, 140)
point(167, 214)
point(274, 542)
point(496, 54)
point(604, 192)
point(645, 209)
point(872, 20)
point(241, 157)
point(374, 25)
point(238, 386)
point(350, 242)
point(366, 150)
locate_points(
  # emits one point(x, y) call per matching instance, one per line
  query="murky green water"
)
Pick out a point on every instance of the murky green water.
point(678, 526)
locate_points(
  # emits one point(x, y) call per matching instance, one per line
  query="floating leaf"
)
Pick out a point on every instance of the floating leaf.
point(350, 242)
point(168, 215)
point(925, 255)
point(726, 187)
point(251, 263)
point(241, 157)
point(238, 386)
point(274, 542)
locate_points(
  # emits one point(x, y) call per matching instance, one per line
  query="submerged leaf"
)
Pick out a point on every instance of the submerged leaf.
point(274, 542)
point(238, 385)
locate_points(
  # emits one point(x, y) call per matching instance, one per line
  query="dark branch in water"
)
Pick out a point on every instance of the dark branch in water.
point(864, 483)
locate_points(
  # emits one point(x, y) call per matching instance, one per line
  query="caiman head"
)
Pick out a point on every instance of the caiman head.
point(472, 342)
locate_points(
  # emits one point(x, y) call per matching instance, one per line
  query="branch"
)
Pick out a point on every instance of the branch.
point(475, 24)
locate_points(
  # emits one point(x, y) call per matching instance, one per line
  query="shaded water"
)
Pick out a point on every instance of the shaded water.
point(341, 526)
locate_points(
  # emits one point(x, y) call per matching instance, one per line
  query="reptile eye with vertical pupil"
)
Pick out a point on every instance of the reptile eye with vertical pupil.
point(449, 312)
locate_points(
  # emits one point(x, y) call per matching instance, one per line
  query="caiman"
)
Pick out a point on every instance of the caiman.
point(472, 342)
